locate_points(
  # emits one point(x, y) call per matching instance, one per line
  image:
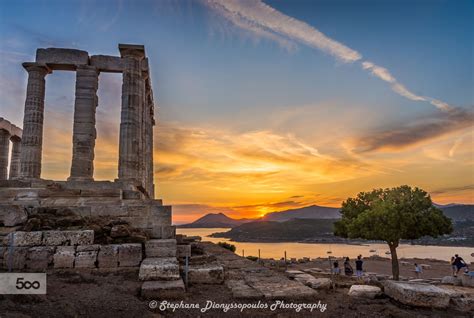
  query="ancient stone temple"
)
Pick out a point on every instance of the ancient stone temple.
point(9, 133)
point(131, 195)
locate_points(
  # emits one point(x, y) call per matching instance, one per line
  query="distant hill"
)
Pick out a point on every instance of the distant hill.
point(288, 231)
point(459, 212)
point(215, 220)
point(309, 212)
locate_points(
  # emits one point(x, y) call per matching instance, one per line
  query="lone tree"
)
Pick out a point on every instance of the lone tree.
point(391, 215)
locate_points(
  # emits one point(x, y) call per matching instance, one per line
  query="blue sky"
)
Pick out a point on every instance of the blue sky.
point(211, 75)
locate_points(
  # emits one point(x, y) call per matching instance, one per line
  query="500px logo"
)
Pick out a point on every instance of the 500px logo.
point(22, 283)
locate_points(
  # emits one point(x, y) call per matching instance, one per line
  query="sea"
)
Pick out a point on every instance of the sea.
point(314, 250)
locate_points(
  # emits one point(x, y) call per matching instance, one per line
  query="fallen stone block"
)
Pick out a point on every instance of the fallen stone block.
point(462, 298)
point(291, 273)
point(86, 256)
point(281, 288)
point(13, 215)
point(364, 291)
point(108, 256)
point(321, 283)
point(39, 257)
point(164, 289)
point(467, 280)
point(206, 274)
point(165, 268)
point(64, 257)
point(160, 248)
point(417, 294)
point(129, 254)
point(183, 250)
point(21, 238)
point(240, 290)
point(15, 258)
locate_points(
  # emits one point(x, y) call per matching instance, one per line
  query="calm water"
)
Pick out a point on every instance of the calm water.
point(299, 250)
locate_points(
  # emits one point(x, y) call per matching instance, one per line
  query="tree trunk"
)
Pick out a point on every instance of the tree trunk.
point(395, 269)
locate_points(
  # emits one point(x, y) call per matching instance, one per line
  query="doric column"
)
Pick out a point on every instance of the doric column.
point(32, 139)
point(15, 158)
point(84, 131)
point(132, 104)
point(4, 148)
point(149, 144)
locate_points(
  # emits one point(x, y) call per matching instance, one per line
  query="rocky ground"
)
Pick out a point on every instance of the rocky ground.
point(98, 294)
point(382, 265)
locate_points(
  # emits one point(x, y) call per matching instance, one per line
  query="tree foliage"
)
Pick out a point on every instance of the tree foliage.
point(391, 215)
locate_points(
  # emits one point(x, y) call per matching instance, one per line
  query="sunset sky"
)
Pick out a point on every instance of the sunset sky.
point(265, 106)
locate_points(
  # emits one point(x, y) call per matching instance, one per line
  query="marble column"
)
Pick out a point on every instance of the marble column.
point(4, 149)
point(32, 139)
point(84, 131)
point(15, 158)
point(149, 143)
point(132, 103)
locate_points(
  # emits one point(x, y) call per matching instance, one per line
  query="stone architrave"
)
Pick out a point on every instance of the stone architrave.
point(132, 105)
point(84, 131)
point(4, 149)
point(32, 139)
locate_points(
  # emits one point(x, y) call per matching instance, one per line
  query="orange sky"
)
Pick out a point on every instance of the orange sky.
point(201, 169)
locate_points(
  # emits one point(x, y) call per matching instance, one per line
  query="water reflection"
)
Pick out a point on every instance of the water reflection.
point(299, 250)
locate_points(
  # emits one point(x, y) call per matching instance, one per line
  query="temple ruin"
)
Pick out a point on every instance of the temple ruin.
point(82, 223)
point(133, 189)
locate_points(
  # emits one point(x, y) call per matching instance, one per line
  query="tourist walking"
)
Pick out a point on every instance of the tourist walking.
point(459, 263)
point(359, 271)
point(348, 268)
point(418, 270)
point(453, 266)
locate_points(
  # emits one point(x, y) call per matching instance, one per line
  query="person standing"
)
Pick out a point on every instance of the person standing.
point(359, 271)
point(348, 268)
point(453, 265)
point(336, 268)
point(418, 270)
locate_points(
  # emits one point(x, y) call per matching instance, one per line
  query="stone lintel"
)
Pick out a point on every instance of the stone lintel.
point(62, 59)
point(12, 129)
point(107, 63)
point(132, 50)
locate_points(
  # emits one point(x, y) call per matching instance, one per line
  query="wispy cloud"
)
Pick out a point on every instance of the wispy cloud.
point(262, 19)
point(423, 129)
point(259, 17)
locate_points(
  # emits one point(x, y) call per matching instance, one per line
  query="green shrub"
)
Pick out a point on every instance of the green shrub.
point(227, 246)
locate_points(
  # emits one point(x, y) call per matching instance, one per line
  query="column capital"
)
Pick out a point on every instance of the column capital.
point(132, 50)
point(15, 138)
point(40, 67)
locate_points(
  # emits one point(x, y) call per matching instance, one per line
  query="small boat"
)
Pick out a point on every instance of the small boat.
point(373, 251)
point(329, 252)
point(387, 253)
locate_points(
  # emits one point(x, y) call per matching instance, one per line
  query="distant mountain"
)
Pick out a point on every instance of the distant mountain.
point(459, 212)
point(293, 230)
point(309, 212)
point(215, 220)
